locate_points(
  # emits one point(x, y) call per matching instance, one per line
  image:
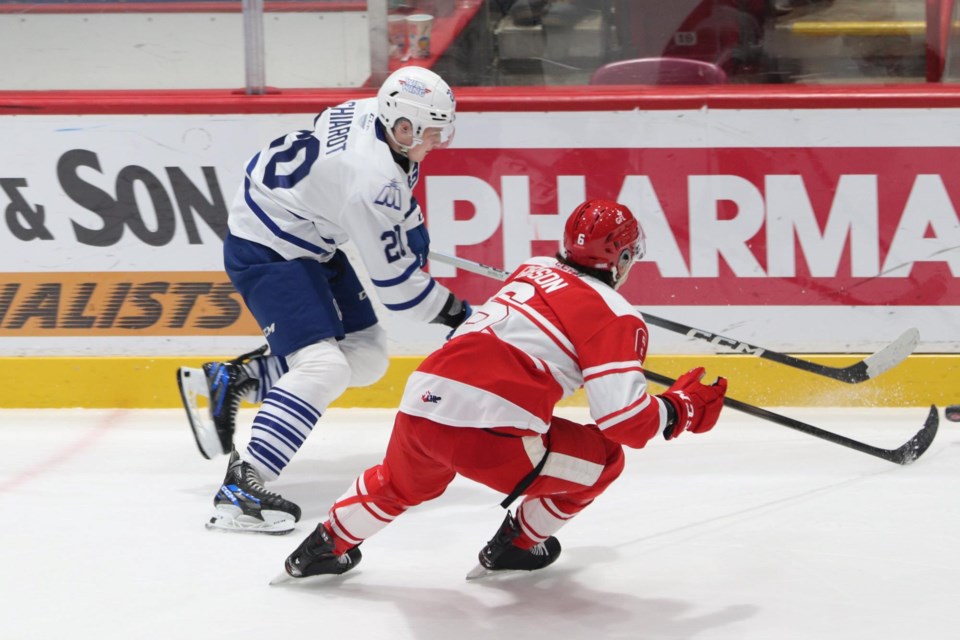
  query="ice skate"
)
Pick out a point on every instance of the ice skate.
point(315, 557)
point(224, 384)
point(243, 504)
point(501, 556)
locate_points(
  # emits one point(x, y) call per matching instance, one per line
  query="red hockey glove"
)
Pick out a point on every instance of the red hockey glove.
point(697, 406)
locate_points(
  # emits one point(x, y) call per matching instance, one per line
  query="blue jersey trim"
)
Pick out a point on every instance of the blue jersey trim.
point(412, 303)
point(413, 207)
point(266, 454)
point(392, 282)
point(272, 226)
point(252, 163)
point(330, 241)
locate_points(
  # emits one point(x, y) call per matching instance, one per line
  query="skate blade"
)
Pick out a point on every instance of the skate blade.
point(193, 385)
point(274, 523)
point(282, 578)
point(285, 579)
point(480, 571)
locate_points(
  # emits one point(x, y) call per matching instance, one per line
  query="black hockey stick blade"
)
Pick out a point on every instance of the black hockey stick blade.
point(903, 455)
point(871, 367)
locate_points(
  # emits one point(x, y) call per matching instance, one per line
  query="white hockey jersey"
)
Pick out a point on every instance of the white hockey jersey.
point(309, 192)
point(546, 333)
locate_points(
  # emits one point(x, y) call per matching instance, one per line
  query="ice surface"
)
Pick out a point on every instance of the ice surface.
point(750, 531)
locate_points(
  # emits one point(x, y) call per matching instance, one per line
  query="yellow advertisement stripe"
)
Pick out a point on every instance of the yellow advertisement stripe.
point(147, 303)
point(857, 28)
point(144, 382)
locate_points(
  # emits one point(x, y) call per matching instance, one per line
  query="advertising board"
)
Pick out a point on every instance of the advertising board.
point(822, 230)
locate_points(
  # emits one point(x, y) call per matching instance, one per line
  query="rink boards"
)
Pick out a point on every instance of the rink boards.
point(821, 227)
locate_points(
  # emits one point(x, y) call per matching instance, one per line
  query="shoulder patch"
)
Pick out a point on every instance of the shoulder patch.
point(389, 196)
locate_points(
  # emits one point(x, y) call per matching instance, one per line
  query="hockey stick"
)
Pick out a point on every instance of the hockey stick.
point(870, 367)
point(904, 454)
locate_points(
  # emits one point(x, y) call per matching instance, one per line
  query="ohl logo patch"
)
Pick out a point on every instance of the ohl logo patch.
point(429, 397)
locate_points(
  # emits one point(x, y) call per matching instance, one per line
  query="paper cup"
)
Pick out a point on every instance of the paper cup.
point(397, 34)
point(419, 26)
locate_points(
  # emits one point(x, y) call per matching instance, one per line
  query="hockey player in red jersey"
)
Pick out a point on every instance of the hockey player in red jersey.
point(482, 405)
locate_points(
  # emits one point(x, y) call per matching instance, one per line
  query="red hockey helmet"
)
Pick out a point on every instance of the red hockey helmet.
point(604, 235)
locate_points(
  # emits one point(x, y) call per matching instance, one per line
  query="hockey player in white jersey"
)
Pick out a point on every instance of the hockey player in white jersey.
point(482, 405)
point(349, 178)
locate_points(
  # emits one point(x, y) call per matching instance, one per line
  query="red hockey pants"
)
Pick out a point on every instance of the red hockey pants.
point(423, 457)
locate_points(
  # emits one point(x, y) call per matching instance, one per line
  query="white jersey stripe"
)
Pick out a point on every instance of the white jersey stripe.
point(611, 367)
point(370, 506)
point(543, 324)
point(624, 414)
point(556, 512)
point(535, 449)
point(459, 404)
point(574, 332)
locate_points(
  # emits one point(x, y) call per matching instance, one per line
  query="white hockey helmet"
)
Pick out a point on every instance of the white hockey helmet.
point(420, 96)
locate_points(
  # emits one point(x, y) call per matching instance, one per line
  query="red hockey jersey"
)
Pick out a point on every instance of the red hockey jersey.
point(546, 333)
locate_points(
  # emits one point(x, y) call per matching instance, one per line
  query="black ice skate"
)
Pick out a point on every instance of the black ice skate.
point(224, 384)
point(500, 554)
point(243, 504)
point(315, 557)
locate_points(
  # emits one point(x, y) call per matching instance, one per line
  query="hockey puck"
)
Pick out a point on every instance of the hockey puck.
point(952, 413)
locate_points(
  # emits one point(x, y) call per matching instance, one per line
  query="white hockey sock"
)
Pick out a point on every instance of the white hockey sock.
point(539, 518)
point(317, 376)
point(279, 429)
point(366, 351)
point(356, 516)
point(266, 369)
